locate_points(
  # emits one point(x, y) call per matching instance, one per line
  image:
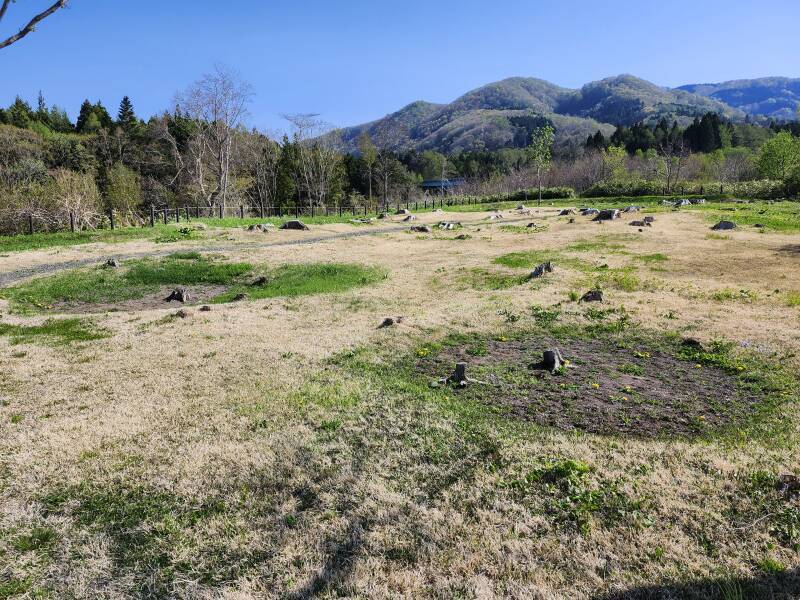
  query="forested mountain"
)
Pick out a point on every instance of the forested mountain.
point(502, 114)
point(773, 97)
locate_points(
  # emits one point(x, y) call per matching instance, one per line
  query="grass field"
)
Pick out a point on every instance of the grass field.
point(280, 443)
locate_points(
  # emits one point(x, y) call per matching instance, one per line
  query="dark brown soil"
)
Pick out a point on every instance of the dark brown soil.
point(606, 389)
point(198, 294)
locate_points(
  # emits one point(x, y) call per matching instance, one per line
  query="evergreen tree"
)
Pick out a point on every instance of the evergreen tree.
point(20, 113)
point(83, 116)
point(126, 118)
point(42, 114)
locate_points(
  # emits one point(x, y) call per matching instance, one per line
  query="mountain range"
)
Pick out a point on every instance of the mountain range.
point(503, 114)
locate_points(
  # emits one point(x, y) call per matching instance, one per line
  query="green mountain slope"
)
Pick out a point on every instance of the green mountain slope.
point(773, 97)
point(502, 114)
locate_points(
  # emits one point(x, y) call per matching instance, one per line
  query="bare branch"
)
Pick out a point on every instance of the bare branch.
point(31, 24)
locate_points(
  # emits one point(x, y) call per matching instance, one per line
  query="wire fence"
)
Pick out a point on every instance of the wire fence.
point(186, 213)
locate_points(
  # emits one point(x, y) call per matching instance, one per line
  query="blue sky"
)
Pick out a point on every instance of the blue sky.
point(354, 61)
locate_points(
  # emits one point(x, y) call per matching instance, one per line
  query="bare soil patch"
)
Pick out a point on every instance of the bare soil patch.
point(607, 388)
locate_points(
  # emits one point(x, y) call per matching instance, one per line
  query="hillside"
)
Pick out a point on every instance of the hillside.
point(502, 114)
point(773, 97)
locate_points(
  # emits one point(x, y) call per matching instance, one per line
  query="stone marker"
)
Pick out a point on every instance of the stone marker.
point(295, 224)
point(541, 269)
point(421, 228)
point(724, 225)
point(178, 294)
point(552, 360)
point(592, 296)
point(112, 263)
point(389, 321)
point(608, 214)
point(566, 212)
point(205, 308)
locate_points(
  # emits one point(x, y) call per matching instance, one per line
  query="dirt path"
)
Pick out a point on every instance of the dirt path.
point(9, 277)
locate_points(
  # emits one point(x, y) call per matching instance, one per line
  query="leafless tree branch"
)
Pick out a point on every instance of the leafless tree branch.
point(31, 24)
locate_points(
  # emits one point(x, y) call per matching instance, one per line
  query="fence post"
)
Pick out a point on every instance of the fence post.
point(296, 211)
point(261, 209)
point(30, 224)
point(177, 214)
point(111, 217)
point(72, 221)
point(312, 209)
point(340, 210)
point(152, 216)
point(241, 211)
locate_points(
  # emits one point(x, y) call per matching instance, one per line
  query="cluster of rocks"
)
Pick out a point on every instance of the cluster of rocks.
point(646, 222)
point(449, 225)
point(683, 202)
point(263, 227)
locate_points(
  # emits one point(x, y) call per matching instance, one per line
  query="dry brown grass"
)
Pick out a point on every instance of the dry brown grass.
point(318, 483)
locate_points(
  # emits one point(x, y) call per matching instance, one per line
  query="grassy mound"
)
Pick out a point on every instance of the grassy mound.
point(307, 279)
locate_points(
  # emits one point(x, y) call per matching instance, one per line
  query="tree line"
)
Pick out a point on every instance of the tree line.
point(202, 152)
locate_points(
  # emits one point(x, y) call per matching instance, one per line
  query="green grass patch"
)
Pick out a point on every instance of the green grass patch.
point(652, 258)
point(135, 279)
point(528, 259)
point(52, 332)
point(730, 294)
point(792, 299)
point(484, 279)
point(306, 279)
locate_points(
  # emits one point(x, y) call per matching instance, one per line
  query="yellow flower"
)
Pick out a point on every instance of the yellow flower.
point(596, 386)
point(698, 366)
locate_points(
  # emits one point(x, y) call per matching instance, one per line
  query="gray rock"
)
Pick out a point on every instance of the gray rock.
point(682, 202)
point(410, 218)
point(566, 212)
point(403, 211)
point(608, 214)
point(724, 225)
point(205, 308)
point(589, 211)
point(448, 225)
point(541, 269)
point(178, 295)
point(698, 200)
point(421, 228)
point(552, 360)
point(649, 219)
point(640, 224)
point(295, 224)
point(112, 263)
point(592, 296)
point(630, 209)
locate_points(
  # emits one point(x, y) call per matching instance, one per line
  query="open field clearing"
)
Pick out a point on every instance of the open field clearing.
point(268, 438)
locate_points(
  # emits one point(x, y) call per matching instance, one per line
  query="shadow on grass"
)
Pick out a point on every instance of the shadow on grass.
point(772, 586)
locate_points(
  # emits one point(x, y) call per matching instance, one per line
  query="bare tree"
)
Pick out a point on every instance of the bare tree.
point(672, 159)
point(217, 102)
point(31, 25)
point(262, 155)
point(318, 152)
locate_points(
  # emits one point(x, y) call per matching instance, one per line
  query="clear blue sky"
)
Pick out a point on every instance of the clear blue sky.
point(354, 61)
